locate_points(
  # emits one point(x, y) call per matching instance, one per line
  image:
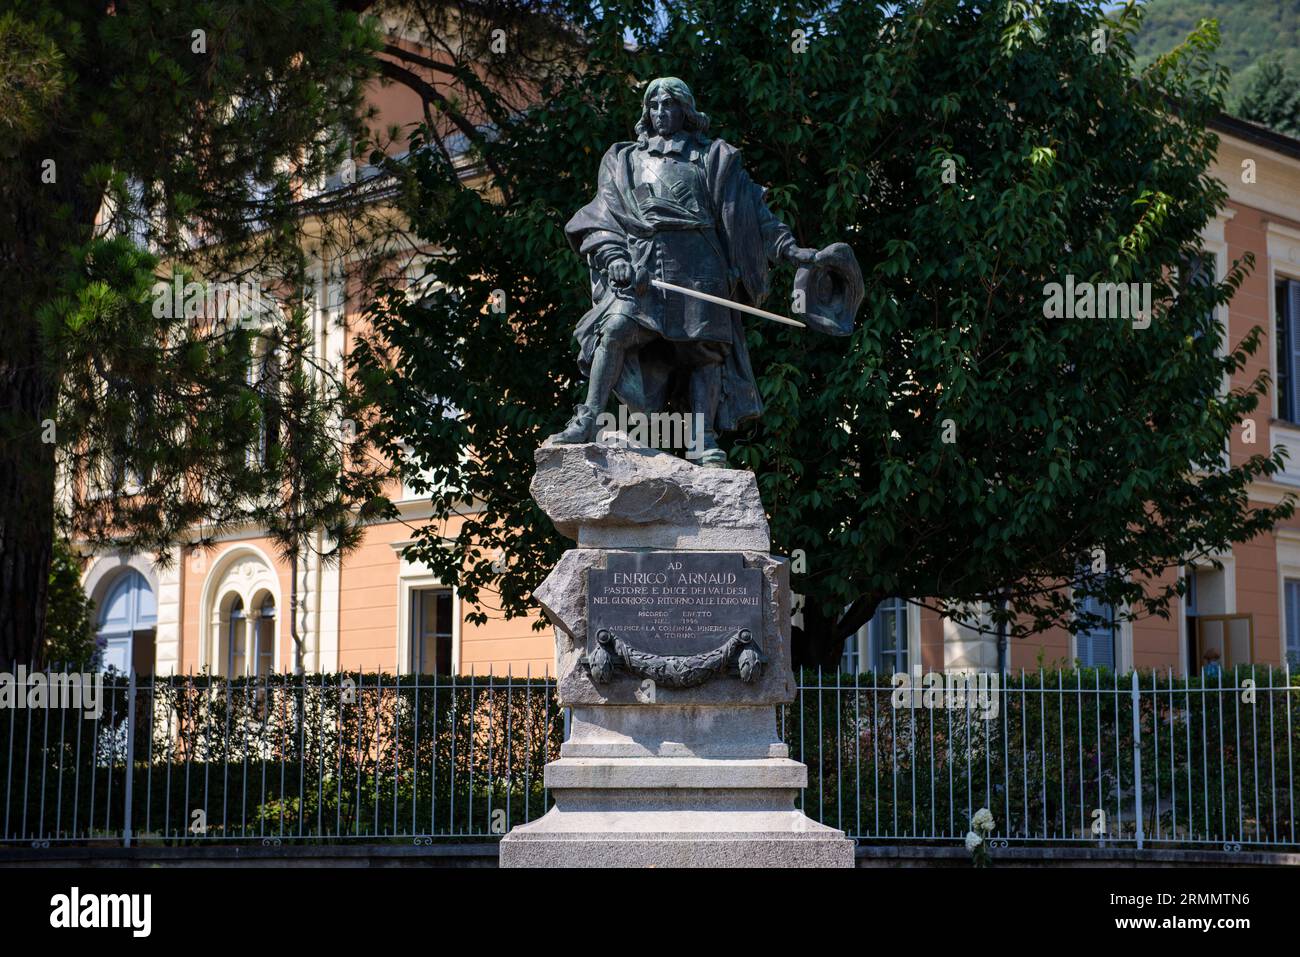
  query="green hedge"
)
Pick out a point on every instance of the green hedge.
point(1059, 748)
point(347, 756)
point(286, 757)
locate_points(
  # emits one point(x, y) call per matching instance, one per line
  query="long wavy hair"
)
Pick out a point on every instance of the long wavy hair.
point(693, 121)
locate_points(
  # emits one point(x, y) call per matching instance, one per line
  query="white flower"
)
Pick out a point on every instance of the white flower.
point(973, 841)
point(983, 820)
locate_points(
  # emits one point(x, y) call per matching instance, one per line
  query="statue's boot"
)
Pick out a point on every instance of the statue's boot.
point(706, 391)
point(605, 368)
point(581, 428)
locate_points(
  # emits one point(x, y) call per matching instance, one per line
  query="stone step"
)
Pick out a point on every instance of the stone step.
point(675, 773)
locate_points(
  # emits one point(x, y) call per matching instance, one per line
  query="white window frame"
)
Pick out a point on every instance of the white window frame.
point(1288, 566)
point(864, 641)
point(1229, 562)
point(412, 576)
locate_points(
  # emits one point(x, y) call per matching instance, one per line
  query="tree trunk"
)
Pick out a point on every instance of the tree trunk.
point(26, 509)
point(811, 644)
point(38, 220)
point(293, 615)
point(820, 643)
point(297, 647)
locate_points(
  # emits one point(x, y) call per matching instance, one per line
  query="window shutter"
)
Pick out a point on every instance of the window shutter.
point(1292, 598)
point(1293, 350)
point(1105, 643)
point(1290, 347)
point(1097, 648)
point(1096, 645)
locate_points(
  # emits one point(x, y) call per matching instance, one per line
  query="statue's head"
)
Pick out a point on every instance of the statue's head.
point(668, 107)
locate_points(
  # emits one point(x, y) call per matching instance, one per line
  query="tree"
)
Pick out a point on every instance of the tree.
point(323, 485)
point(961, 444)
point(1271, 96)
point(69, 624)
point(143, 141)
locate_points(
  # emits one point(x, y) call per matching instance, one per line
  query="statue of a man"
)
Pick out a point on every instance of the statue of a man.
point(676, 206)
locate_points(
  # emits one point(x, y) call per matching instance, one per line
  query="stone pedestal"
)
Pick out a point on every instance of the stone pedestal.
point(673, 757)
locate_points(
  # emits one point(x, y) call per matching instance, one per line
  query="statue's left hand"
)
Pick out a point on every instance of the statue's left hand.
point(801, 255)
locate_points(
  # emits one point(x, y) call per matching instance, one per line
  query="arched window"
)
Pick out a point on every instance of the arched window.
point(239, 590)
point(264, 637)
point(126, 625)
point(247, 639)
point(233, 639)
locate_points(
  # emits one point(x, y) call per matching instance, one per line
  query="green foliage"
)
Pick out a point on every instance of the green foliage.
point(1272, 95)
point(188, 130)
point(32, 68)
point(1251, 30)
point(1215, 767)
point(155, 415)
point(1071, 435)
point(316, 758)
point(69, 620)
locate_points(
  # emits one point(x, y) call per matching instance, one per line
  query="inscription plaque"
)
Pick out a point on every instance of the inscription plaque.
point(674, 603)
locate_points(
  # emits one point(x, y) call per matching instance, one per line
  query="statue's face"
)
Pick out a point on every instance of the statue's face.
point(666, 114)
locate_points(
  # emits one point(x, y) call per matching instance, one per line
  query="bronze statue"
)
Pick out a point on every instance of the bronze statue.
point(679, 241)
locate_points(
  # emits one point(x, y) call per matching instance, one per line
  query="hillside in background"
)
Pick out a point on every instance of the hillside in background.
point(1250, 29)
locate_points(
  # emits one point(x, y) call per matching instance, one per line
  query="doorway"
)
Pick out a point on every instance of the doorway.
point(127, 625)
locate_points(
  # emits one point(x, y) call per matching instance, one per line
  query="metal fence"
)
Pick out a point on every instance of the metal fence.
point(1079, 756)
point(1069, 757)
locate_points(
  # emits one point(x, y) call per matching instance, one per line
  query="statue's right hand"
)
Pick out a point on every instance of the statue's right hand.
point(620, 272)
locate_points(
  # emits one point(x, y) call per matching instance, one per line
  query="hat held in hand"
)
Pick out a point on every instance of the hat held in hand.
point(832, 290)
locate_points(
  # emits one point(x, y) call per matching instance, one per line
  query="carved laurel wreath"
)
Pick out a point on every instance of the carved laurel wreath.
point(739, 654)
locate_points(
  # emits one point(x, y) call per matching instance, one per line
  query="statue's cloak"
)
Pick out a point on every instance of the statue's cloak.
point(750, 236)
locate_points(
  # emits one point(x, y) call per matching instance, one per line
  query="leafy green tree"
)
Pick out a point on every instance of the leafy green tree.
point(1272, 96)
point(69, 620)
point(960, 444)
point(145, 139)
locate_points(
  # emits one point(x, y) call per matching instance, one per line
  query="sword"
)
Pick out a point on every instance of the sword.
point(752, 310)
